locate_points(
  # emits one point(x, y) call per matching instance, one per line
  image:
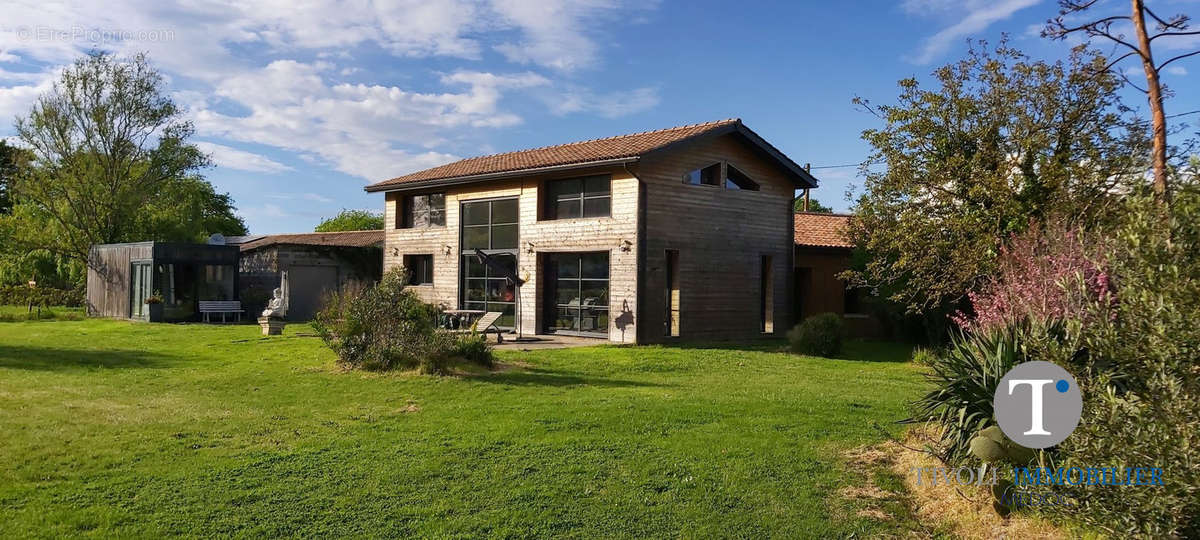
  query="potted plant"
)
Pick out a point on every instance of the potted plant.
point(154, 307)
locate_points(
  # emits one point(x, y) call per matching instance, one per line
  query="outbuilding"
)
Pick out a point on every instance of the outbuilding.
point(316, 264)
point(159, 281)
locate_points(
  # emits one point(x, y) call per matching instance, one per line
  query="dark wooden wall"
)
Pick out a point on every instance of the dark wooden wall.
point(721, 236)
point(823, 292)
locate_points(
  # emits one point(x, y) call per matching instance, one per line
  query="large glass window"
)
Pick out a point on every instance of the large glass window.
point(492, 227)
point(421, 211)
point(589, 196)
point(577, 292)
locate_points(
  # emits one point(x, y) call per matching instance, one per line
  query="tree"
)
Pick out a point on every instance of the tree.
point(187, 209)
point(106, 140)
point(813, 206)
point(352, 220)
point(1177, 25)
point(1000, 143)
point(13, 161)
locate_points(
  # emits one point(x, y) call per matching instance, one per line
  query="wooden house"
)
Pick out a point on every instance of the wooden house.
point(681, 233)
point(822, 253)
point(121, 277)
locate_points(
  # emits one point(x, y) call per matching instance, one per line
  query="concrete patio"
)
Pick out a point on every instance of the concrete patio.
point(547, 342)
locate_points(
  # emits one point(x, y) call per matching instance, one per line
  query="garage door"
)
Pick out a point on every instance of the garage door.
point(307, 288)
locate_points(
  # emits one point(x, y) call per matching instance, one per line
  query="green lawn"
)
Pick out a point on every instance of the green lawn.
point(116, 428)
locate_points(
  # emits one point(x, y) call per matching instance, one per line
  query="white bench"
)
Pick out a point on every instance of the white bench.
point(222, 307)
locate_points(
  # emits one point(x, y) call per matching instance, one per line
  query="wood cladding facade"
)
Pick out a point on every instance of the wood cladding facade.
point(818, 289)
point(721, 237)
point(108, 277)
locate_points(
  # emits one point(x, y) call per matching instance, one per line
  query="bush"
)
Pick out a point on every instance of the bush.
point(1141, 386)
point(1126, 329)
point(474, 348)
point(386, 326)
point(819, 335)
point(964, 380)
point(21, 295)
point(1046, 274)
point(922, 356)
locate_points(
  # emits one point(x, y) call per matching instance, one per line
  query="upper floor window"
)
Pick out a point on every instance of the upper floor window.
point(588, 196)
point(719, 174)
point(421, 211)
point(709, 176)
point(735, 179)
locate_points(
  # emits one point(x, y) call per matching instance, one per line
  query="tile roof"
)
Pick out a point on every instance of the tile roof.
point(821, 229)
point(333, 239)
point(611, 148)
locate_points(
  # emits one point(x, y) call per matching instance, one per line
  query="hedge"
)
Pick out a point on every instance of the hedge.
point(20, 295)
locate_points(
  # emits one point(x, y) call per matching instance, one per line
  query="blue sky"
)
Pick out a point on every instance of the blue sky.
point(301, 106)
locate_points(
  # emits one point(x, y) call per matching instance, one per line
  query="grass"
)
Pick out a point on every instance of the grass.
point(23, 313)
point(133, 429)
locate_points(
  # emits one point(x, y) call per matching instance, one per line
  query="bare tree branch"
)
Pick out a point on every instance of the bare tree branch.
point(1180, 57)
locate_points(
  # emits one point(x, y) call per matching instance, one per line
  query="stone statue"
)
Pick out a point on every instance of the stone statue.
point(275, 306)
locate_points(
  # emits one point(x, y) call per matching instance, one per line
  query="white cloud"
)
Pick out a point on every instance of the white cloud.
point(356, 128)
point(609, 105)
point(264, 212)
point(973, 17)
point(246, 70)
point(1177, 70)
point(555, 31)
point(560, 34)
point(225, 156)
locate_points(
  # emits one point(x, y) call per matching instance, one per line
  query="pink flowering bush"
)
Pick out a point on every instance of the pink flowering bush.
point(1047, 274)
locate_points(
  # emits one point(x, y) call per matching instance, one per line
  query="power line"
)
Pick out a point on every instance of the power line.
point(836, 166)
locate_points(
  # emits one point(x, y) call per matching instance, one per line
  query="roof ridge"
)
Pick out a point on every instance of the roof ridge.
point(598, 139)
point(315, 232)
point(835, 214)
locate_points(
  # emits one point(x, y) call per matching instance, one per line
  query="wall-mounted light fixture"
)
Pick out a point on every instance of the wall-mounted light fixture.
point(446, 249)
point(395, 252)
point(529, 247)
point(626, 246)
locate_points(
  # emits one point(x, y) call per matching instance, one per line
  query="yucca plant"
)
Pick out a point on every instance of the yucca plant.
point(964, 378)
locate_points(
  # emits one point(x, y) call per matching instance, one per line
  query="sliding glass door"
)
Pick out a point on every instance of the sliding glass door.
point(141, 283)
point(576, 295)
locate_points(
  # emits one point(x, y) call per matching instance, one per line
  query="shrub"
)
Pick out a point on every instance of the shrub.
point(1141, 386)
point(1049, 273)
point(381, 327)
point(964, 381)
point(924, 357)
point(819, 335)
point(21, 295)
point(474, 348)
point(386, 326)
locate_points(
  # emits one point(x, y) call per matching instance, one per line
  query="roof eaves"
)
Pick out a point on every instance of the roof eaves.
point(469, 179)
point(782, 158)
